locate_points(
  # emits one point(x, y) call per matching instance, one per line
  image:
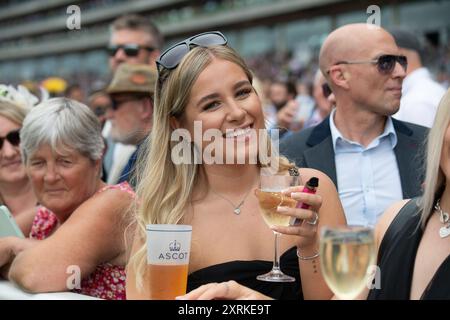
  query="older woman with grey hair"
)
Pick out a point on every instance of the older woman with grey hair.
point(82, 220)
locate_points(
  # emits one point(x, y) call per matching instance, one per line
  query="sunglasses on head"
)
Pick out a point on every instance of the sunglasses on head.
point(130, 49)
point(326, 90)
point(385, 63)
point(13, 138)
point(170, 58)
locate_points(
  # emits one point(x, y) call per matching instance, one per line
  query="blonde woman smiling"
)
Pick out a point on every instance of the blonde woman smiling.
point(202, 79)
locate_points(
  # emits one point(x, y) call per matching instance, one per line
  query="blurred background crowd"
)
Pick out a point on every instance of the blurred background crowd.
point(103, 53)
point(279, 39)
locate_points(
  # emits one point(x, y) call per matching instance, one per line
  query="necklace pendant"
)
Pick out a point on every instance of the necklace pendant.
point(237, 211)
point(444, 232)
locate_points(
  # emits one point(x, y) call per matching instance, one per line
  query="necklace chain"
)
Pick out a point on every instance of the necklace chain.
point(237, 208)
point(444, 219)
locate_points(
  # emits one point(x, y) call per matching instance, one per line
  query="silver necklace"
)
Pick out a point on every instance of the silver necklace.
point(444, 219)
point(237, 208)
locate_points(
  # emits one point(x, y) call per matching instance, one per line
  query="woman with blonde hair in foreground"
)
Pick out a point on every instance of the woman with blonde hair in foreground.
point(202, 80)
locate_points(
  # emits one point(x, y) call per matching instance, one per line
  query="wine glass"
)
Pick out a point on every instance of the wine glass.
point(346, 255)
point(270, 196)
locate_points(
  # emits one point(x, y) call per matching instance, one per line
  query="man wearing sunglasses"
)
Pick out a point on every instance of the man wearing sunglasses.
point(131, 91)
point(134, 39)
point(420, 94)
point(373, 159)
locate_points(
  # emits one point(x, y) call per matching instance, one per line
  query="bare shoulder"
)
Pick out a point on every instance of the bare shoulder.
point(386, 219)
point(108, 203)
point(114, 196)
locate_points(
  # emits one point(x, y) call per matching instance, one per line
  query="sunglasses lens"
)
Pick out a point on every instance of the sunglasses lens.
point(386, 63)
point(114, 105)
point(14, 138)
point(209, 39)
point(403, 62)
point(326, 90)
point(112, 50)
point(172, 57)
point(131, 51)
point(100, 111)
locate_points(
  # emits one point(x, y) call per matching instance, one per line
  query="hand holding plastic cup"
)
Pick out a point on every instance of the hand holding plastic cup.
point(168, 250)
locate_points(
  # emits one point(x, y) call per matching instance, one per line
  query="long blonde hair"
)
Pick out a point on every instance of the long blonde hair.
point(164, 189)
point(435, 178)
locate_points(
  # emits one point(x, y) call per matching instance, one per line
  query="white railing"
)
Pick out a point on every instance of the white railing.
point(9, 291)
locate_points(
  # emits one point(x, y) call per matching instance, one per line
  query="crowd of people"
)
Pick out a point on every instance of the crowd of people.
point(83, 180)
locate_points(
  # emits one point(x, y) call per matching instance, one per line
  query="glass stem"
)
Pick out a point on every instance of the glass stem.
point(276, 258)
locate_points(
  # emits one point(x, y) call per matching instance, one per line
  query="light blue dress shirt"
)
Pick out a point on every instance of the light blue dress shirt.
point(368, 177)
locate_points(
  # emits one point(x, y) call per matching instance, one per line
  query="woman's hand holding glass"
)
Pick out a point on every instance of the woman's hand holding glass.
point(278, 201)
point(307, 219)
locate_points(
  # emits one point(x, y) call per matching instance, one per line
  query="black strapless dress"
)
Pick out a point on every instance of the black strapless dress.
point(396, 258)
point(245, 273)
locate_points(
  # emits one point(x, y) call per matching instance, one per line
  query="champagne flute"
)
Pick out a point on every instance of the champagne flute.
point(270, 196)
point(346, 255)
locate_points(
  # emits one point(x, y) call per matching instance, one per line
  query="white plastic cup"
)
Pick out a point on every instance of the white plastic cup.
point(168, 251)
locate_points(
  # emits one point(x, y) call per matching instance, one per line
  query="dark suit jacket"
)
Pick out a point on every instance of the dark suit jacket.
point(313, 148)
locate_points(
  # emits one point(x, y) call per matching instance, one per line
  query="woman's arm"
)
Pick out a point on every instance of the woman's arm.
point(92, 235)
point(330, 214)
point(10, 247)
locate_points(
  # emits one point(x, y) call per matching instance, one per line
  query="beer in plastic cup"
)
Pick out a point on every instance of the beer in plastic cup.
point(168, 249)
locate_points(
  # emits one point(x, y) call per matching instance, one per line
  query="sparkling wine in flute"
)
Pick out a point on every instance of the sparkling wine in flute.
point(345, 259)
point(270, 196)
point(167, 281)
point(269, 200)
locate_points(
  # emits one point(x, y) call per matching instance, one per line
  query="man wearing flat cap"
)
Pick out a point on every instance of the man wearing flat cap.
point(420, 93)
point(131, 90)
